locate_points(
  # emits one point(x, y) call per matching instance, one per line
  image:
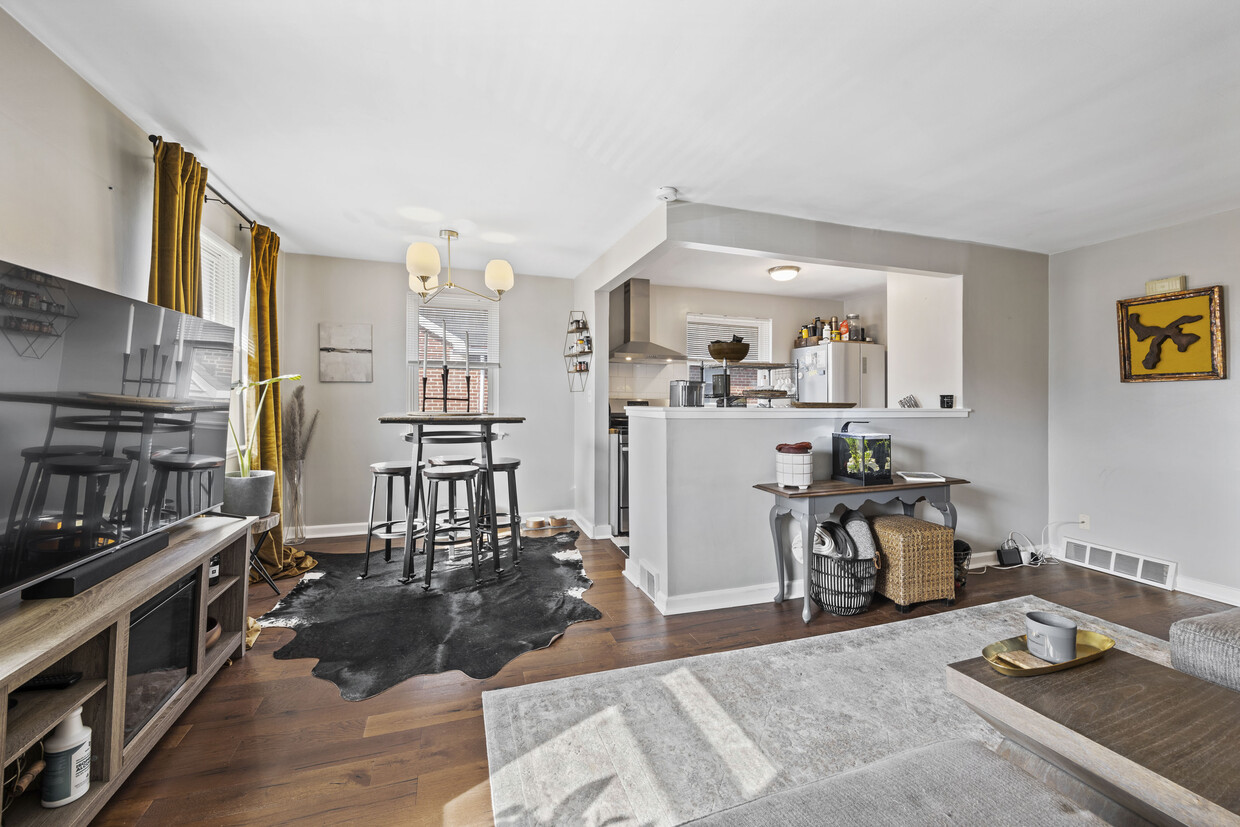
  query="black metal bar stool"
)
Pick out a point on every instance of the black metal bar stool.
point(509, 466)
point(83, 528)
point(388, 530)
point(34, 458)
point(450, 474)
point(195, 478)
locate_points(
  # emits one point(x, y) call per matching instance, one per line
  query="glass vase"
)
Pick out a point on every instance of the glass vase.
point(294, 510)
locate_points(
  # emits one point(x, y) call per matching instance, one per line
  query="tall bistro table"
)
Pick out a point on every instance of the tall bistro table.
point(448, 426)
point(813, 505)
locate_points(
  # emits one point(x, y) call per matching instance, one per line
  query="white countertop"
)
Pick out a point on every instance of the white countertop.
point(640, 412)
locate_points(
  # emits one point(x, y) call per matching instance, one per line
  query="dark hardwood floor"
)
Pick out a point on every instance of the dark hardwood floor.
point(267, 743)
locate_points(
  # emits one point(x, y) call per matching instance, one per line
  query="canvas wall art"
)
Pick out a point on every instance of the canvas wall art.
point(1172, 336)
point(345, 353)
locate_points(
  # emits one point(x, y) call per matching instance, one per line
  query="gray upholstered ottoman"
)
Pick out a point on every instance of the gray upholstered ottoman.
point(1208, 647)
point(952, 782)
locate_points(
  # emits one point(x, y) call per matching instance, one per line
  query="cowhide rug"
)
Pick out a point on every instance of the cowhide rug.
point(369, 635)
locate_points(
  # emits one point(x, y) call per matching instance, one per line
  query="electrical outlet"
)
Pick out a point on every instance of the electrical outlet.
point(1083, 522)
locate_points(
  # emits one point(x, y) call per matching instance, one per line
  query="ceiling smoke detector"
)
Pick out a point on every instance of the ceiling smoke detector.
point(668, 194)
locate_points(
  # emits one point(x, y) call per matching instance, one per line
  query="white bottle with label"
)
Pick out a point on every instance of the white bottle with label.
point(67, 753)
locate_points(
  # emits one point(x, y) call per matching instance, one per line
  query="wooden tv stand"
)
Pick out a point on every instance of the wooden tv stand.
point(89, 633)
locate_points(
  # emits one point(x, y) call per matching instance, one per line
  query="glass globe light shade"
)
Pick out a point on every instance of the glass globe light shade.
point(417, 285)
point(422, 259)
point(498, 275)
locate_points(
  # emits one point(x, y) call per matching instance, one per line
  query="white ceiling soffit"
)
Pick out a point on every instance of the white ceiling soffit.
point(711, 270)
point(355, 128)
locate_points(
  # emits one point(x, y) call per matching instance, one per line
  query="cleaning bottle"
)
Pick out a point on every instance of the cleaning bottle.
point(67, 753)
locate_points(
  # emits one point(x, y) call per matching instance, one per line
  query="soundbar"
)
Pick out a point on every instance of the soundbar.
point(77, 580)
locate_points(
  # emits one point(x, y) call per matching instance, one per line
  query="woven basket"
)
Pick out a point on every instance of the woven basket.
point(918, 564)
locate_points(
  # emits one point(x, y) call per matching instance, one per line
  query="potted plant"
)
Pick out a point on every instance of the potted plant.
point(248, 490)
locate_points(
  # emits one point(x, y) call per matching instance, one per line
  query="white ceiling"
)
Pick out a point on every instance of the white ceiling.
point(354, 128)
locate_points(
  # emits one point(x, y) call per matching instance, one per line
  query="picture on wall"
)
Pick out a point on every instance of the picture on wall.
point(1172, 336)
point(345, 353)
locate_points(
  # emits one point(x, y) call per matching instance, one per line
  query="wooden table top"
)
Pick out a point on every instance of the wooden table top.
point(91, 400)
point(830, 488)
point(431, 418)
point(1176, 726)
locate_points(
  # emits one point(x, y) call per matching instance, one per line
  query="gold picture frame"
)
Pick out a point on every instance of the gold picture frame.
point(1172, 337)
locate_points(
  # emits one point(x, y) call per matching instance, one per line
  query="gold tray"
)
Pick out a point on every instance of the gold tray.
point(1089, 646)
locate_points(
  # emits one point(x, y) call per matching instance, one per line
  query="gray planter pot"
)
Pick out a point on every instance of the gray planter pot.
point(249, 496)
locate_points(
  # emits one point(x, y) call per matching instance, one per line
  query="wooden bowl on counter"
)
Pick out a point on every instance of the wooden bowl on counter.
point(728, 351)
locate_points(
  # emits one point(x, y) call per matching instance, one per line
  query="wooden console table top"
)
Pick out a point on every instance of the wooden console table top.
point(1158, 741)
point(829, 488)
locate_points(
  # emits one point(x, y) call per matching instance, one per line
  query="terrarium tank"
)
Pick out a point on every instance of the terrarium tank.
point(860, 457)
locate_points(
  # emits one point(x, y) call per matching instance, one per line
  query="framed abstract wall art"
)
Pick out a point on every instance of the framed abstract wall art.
point(1172, 336)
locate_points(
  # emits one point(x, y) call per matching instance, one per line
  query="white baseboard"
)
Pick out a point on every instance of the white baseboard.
point(594, 532)
point(983, 558)
point(316, 532)
point(719, 599)
point(1206, 589)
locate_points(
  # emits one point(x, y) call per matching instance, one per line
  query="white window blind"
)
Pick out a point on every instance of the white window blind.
point(450, 320)
point(221, 281)
point(702, 329)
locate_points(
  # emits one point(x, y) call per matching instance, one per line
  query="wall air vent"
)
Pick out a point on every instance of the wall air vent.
point(1125, 564)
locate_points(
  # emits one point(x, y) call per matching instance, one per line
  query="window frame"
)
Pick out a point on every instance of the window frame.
point(760, 353)
point(413, 356)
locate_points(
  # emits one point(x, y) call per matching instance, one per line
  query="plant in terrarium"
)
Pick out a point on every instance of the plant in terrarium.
point(858, 459)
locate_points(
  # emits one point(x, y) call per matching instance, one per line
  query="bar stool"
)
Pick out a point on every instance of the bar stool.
point(195, 473)
point(509, 466)
point(454, 514)
point(34, 457)
point(450, 474)
point(387, 530)
point(95, 472)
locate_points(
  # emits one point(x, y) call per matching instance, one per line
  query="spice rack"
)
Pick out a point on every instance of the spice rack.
point(35, 311)
point(578, 351)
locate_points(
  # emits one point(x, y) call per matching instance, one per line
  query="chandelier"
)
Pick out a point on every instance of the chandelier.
point(422, 261)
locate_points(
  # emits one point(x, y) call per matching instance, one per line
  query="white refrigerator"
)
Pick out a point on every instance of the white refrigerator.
point(842, 372)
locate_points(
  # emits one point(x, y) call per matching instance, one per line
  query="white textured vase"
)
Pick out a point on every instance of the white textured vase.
point(794, 470)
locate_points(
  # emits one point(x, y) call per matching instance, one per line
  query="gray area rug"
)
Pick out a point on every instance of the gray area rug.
point(667, 742)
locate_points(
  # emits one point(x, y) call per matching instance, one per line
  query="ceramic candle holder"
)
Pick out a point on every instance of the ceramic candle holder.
point(794, 470)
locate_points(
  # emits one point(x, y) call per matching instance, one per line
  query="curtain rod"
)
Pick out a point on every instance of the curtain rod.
point(156, 140)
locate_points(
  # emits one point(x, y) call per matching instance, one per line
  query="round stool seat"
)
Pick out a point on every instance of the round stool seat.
point(41, 451)
point(85, 464)
point(134, 451)
point(395, 468)
point(500, 463)
point(186, 462)
point(451, 472)
point(452, 459)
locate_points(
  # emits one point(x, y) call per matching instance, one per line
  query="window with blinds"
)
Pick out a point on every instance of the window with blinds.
point(702, 329)
point(221, 281)
point(440, 330)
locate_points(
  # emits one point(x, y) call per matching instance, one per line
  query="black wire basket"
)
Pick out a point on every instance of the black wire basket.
point(962, 553)
point(842, 587)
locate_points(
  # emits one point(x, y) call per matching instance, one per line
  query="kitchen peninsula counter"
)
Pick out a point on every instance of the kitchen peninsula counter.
point(699, 535)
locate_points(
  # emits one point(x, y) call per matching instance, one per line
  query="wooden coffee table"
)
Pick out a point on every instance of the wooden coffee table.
point(1125, 737)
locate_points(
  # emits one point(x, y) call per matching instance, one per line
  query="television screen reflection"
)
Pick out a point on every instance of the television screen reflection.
point(113, 421)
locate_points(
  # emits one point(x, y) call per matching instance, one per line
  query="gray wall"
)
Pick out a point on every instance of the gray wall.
point(1153, 463)
point(75, 173)
point(532, 381)
point(1000, 447)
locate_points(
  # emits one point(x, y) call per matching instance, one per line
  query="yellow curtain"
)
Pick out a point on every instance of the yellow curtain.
point(176, 253)
point(264, 363)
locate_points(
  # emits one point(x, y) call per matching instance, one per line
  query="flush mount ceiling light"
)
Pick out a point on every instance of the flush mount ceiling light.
point(422, 262)
point(784, 272)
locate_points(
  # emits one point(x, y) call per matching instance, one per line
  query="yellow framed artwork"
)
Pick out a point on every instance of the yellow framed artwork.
point(1172, 336)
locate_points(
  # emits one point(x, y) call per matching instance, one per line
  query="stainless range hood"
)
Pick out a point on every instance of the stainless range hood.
point(630, 326)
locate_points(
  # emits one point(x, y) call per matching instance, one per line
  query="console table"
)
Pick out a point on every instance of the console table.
point(1132, 740)
point(815, 504)
point(89, 633)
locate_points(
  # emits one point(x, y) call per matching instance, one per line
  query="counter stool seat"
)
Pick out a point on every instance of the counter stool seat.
point(389, 528)
point(452, 459)
point(451, 475)
point(33, 457)
point(509, 466)
point(87, 526)
point(194, 477)
point(133, 452)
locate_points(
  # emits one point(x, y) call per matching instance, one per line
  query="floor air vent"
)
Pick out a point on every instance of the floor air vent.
point(1159, 573)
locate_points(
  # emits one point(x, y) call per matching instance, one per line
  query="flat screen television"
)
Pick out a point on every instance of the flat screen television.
point(113, 422)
